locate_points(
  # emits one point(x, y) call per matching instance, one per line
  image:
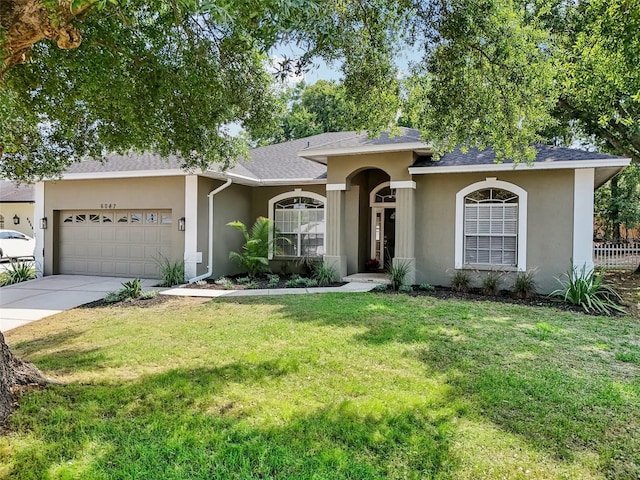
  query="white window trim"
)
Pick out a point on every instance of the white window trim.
point(295, 193)
point(374, 192)
point(522, 221)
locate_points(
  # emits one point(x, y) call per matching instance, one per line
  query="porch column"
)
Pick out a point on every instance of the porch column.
point(335, 244)
point(191, 226)
point(405, 227)
point(583, 218)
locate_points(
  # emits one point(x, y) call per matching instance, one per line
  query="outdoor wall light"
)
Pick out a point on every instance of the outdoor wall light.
point(43, 223)
point(181, 224)
point(16, 219)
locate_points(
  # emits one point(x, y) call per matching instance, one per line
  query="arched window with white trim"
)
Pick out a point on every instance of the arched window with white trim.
point(299, 218)
point(491, 225)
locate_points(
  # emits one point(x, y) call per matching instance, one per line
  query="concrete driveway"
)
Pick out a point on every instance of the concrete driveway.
point(29, 301)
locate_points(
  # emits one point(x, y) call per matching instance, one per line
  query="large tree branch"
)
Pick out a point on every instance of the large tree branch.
point(27, 22)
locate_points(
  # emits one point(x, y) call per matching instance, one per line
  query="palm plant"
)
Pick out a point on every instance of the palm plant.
point(254, 255)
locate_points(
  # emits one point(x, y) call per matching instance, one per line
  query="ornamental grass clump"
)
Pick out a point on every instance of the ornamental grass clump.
point(397, 274)
point(18, 272)
point(585, 287)
point(325, 274)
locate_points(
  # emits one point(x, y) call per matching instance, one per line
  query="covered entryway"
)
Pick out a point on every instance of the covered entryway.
point(113, 242)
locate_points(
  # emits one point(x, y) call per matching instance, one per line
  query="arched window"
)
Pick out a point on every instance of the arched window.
point(491, 225)
point(299, 217)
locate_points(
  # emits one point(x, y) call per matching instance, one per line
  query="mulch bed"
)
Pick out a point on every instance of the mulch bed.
point(260, 282)
point(149, 302)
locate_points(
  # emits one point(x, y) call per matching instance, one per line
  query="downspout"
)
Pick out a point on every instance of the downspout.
point(209, 271)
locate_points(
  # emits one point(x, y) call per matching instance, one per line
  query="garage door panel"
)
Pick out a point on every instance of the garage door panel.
point(98, 243)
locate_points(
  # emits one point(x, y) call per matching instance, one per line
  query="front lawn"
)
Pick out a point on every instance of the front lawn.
point(328, 386)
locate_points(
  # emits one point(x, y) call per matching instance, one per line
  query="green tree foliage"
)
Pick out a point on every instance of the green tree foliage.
point(617, 203)
point(307, 110)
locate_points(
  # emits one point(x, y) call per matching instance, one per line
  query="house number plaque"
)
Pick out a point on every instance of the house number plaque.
point(107, 205)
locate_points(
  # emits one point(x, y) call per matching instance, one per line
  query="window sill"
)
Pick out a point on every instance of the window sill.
point(488, 267)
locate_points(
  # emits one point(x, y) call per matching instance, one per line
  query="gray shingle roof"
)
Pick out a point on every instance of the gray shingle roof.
point(281, 161)
point(125, 163)
point(12, 193)
point(545, 154)
point(354, 139)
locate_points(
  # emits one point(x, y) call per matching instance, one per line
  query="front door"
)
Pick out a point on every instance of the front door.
point(383, 234)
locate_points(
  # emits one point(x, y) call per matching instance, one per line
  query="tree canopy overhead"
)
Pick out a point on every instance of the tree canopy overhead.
point(171, 76)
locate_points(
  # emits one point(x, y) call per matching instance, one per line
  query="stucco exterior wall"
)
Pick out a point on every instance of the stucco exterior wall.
point(549, 232)
point(233, 203)
point(24, 210)
point(124, 193)
point(395, 164)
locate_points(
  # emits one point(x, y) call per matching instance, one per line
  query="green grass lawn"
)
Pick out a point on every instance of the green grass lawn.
point(328, 386)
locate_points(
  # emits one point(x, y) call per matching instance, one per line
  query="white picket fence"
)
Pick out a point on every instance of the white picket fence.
point(616, 255)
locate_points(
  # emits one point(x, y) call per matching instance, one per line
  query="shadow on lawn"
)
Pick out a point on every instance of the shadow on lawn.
point(170, 426)
point(529, 376)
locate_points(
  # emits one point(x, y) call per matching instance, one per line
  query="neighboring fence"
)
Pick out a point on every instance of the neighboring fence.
point(616, 255)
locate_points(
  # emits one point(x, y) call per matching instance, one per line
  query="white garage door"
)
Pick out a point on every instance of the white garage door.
point(114, 242)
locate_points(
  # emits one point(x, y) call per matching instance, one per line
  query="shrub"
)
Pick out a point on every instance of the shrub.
point(397, 274)
point(295, 281)
point(254, 254)
point(491, 283)
point(312, 282)
point(372, 264)
point(405, 289)
point(17, 272)
point(243, 280)
point(201, 283)
point(425, 287)
point(113, 297)
point(273, 281)
point(381, 287)
point(524, 285)
point(586, 288)
point(131, 289)
point(172, 273)
point(325, 274)
point(148, 295)
point(252, 285)
point(460, 281)
point(225, 283)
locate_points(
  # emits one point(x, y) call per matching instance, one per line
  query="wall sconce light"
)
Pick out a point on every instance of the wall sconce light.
point(181, 224)
point(16, 219)
point(43, 223)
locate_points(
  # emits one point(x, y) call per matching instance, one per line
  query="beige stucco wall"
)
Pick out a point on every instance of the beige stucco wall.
point(549, 232)
point(232, 203)
point(395, 164)
point(24, 210)
point(124, 193)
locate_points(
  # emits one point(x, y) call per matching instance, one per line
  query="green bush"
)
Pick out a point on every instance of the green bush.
point(131, 289)
point(325, 274)
point(17, 272)
point(524, 285)
point(405, 289)
point(255, 252)
point(148, 295)
point(425, 287)
point(225, 283)
point(172, 273)
point(461, 281)
point(397, 274)
point(380, 288)
point(491, 283)
point(273, 280)
point(113, 297)
point(586, 288)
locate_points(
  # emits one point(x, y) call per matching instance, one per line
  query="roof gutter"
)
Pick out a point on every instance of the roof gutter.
point(210, 196)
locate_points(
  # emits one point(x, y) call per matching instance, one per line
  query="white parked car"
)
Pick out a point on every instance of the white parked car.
point(16, 245)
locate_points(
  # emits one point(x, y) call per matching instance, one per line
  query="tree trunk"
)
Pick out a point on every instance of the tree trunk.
point(13, 373)
point(26, 22)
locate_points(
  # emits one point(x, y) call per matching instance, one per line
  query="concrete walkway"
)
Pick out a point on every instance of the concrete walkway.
point(352, 287)
point(29, 301)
